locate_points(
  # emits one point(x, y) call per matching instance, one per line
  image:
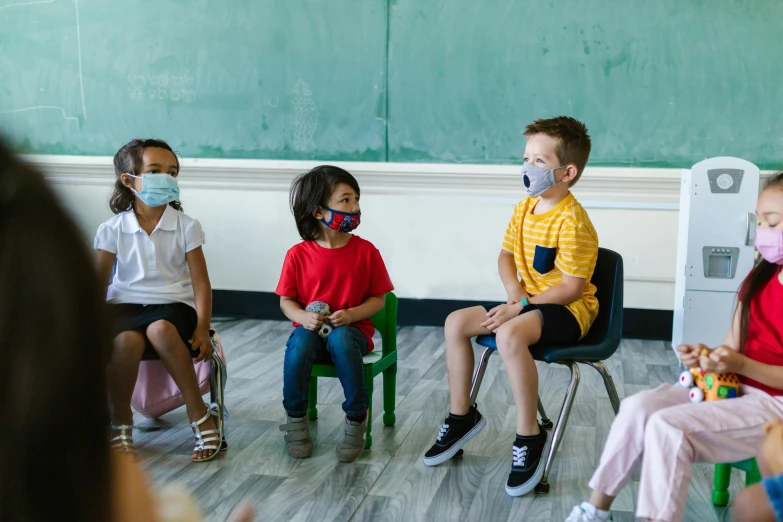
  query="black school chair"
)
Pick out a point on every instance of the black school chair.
point(599, 344)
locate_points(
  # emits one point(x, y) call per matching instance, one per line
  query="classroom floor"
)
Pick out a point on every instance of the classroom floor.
point(389, 482)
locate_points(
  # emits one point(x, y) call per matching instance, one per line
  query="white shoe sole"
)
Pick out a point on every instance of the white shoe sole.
point(531, 484)
point(446, 455)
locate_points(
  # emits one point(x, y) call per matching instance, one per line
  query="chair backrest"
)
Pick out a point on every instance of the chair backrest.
point(385, 321)
point(608, 281)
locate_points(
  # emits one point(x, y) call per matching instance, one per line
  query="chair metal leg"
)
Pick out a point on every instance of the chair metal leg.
point(545, 422)
point(608, 383)
point(479, 375)
point(218, 375)
point(562, 420)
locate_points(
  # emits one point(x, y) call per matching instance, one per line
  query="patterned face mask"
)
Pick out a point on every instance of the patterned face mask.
point(342, 221)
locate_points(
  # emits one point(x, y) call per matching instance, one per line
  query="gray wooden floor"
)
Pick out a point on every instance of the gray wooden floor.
point(389, 482)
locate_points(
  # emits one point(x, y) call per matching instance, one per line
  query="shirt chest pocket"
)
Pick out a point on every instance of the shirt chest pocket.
point(544, 259)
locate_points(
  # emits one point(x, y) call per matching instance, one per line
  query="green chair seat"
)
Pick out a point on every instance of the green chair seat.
point(720, 491)
point(376, 362)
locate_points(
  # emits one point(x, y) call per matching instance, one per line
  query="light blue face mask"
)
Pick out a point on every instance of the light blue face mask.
point(157, 189)
point(538, 180)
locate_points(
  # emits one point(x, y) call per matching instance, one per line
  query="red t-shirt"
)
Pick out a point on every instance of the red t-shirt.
point(764, 342)
point(341, 277)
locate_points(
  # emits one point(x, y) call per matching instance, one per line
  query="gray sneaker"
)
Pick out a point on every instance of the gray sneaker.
point(352, 443)
point(297, 436)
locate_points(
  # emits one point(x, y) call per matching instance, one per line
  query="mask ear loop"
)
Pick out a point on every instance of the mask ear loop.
point(331, 216)
point(131, 176)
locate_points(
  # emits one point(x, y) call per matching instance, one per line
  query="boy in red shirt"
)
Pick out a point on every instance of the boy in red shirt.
point(347, 273)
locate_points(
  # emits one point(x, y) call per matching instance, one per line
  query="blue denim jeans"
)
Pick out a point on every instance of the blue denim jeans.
point(345, 347)
point(774, 488)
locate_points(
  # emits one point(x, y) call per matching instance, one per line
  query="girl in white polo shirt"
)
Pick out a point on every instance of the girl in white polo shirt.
point(150, 256)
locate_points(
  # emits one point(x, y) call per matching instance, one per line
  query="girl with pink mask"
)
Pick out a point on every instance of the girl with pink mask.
point(665, 433)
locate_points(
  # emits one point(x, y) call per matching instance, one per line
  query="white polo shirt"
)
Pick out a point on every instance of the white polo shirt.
point(151, 269)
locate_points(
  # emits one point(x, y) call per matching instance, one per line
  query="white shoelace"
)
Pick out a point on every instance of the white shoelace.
point(519, 456)
point(443, 429)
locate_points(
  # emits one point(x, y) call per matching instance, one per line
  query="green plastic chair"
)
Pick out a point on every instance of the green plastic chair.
point(720, 493)
point(385, 361)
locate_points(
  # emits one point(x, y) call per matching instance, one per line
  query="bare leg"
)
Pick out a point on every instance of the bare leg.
point(460, 327)
point(123, 371)
point(601, 501)
point(176, 358)
point(514, 339)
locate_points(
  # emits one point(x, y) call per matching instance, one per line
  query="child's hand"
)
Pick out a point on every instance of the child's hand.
point(689, 354)
point(312, 320)
point(721, 360)
point(500, 314)
point(202, 343)
point(341, 318)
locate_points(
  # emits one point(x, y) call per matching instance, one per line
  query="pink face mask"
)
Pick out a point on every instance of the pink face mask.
point(770, 245)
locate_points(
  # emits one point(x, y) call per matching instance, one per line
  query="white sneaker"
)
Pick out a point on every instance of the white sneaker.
point(586, 512)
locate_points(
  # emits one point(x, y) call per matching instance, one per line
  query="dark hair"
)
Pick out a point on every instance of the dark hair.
point(762, 272)
point(573, 141)
point(53, 350)
point(129, 159)
point(313, 190)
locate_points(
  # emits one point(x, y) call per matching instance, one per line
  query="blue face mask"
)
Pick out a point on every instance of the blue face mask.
point(157, 189)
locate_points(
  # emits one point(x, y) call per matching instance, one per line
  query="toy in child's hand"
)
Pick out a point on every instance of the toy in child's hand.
point(323, 309)
point(708, 386)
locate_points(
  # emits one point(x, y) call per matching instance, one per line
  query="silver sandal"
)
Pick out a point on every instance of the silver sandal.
point(122, 443)
point(209, 439)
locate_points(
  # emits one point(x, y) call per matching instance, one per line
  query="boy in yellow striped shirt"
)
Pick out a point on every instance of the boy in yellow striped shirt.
point(548, 257)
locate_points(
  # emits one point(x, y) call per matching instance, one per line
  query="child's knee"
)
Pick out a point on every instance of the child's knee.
point(511, 341)
point(346, 342)
point(662, 424)
point(303, 342)
point(640, 406)
point(455, 323)
point(129, 342)
point(161, 332)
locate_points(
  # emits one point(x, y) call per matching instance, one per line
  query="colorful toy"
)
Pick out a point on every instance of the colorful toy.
point(322, 308)
point(708, 386)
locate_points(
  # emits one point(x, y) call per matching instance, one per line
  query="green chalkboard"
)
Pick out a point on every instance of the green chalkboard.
point(251, 78)
point(659, 83)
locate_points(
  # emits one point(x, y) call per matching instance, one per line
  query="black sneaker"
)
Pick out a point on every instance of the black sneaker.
point(454, 433)
point(527, 463)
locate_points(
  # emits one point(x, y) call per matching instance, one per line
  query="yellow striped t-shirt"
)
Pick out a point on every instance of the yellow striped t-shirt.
point(546, 246)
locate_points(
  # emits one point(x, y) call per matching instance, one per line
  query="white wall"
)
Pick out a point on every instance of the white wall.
point(438, 227)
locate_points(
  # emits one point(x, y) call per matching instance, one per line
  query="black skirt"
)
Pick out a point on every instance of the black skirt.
point(137, 317)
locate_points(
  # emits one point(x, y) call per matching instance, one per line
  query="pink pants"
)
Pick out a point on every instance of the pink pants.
point(666, 433)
